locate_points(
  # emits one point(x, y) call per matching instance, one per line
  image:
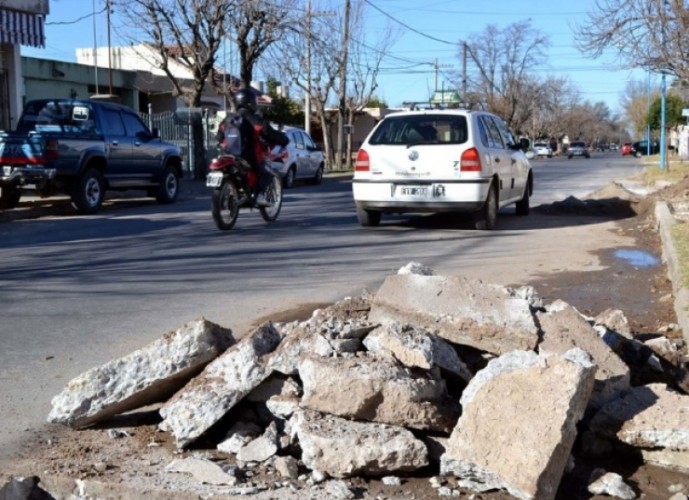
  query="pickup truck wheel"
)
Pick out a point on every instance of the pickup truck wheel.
point(88, 192)
point(169, 186)
point(9, 196)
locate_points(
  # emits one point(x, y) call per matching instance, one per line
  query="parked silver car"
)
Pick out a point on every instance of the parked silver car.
point(300, 159)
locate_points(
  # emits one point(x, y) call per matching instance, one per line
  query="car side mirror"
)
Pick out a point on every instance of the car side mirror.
point(524, 144)
point(155, 133)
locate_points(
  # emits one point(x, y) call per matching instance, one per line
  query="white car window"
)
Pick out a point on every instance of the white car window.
point(298, 139)
point(494, 139)
point(507, 136)
point(421, 129)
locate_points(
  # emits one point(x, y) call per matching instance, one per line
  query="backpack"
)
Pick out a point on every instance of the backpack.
point(232, 143)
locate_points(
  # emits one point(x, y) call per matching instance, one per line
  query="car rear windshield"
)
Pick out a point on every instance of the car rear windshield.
point(578, 145)
point(57, 116)
point(420, 129)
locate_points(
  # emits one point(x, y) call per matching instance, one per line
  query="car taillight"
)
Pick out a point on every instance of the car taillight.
point(51, 149)
point(470, 161)
point(362, 162)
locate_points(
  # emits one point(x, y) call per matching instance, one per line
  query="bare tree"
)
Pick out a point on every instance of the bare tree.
point(650, 34)
point(635, 102)
point(505, 60)
point(188, 32)
point(256, 25)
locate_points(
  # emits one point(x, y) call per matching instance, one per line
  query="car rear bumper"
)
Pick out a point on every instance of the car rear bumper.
point(415, 196)
point(28, 174)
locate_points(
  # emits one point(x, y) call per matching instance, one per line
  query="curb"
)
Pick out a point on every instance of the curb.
point(665, 221)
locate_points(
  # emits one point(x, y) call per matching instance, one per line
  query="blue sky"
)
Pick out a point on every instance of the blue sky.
point(408, 74)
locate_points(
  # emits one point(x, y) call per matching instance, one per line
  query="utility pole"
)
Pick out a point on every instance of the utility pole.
point(95, 48)
point(464, 72)
point(307, 97)
point(343, 85)
point(107, 7)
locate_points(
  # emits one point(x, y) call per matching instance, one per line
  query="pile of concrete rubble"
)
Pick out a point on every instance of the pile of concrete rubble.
point(483, 383)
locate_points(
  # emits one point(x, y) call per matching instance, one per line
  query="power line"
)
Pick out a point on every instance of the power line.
point(409, 27)
point(55, 23)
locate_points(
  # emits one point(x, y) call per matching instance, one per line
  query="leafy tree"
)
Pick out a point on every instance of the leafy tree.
point(375, 102)
point(673, 112)
point(284, 110)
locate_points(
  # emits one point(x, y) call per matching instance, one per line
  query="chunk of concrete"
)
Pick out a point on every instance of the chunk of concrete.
point(565, 328)
point(261, 448)
point(615, 320)
point(376, 390)
point(146, 376)
point(610, 484)
point(461, 310)
point(343, 448)
point(416, 348)
point(239, 434)
point(648, 417)
point(204, 471)
point(501, 419)
point(221, 385)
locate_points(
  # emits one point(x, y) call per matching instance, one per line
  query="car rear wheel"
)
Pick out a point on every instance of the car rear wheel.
point(9, 196)
point(485, 218)
point(368, 218)
point(522, 206)
point(318, 178)
point(288, 180)
point(88, 192)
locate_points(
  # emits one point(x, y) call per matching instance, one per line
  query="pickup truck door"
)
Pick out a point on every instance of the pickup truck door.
point(118, 146)
point(146, 149)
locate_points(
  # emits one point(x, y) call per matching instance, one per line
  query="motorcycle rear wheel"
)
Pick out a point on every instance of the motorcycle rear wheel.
point(225, 205)
point(273, 193)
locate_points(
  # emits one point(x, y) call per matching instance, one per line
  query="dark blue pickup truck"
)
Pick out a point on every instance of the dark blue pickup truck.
point(84, 148)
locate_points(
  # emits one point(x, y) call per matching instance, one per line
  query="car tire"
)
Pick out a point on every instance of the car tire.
point(288, 180)
point(318, 178)
point(522, 206)
point(569, 157)
point(368, 218)
point(168, 190)
point(88, 192)
point(9, 196)
point(637, 154)
point(587, 156)
point(486, 217)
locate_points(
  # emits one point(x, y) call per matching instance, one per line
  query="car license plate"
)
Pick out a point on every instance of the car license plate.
point(214, 179)
point(418, 191)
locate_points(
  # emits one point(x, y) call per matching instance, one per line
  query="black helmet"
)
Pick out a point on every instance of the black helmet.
point(245, 98)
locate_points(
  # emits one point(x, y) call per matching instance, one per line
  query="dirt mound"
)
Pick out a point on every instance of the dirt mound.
point(678, 191)
point(613, 201)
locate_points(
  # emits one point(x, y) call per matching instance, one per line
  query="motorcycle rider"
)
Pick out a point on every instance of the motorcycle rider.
point(253, 131)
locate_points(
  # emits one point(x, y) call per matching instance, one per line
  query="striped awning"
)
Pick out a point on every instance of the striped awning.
point(21, 28)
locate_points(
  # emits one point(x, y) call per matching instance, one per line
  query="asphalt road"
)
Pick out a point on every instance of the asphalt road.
point(77, 291)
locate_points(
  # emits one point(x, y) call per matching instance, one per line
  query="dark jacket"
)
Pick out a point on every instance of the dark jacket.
point(248, 128)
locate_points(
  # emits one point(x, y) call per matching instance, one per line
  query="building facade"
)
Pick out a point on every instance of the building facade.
point(21, 23)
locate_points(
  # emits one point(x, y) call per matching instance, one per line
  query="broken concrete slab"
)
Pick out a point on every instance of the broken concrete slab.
point(610, 484)
point(146, 376)
point(343, 448)
point(499, 410)
point(416, 348)
point(376, 390)
point(565, 328)
point(239, 434)
point(649, 417)
point(204, 471)
point(261, 448)
point(221, 385)
point(615, 320)
point(461, 310)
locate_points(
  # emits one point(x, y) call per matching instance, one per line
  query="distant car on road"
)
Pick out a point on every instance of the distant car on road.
point(542, 149)
point(640, 148)
point(578, 148)
point(626, 149)
point(300, 159)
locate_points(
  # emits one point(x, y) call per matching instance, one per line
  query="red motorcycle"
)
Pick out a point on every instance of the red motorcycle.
point(233, 182)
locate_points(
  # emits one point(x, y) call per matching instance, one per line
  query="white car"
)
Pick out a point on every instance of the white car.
point(300, 159)
point(441, 161)
point(542, 149)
